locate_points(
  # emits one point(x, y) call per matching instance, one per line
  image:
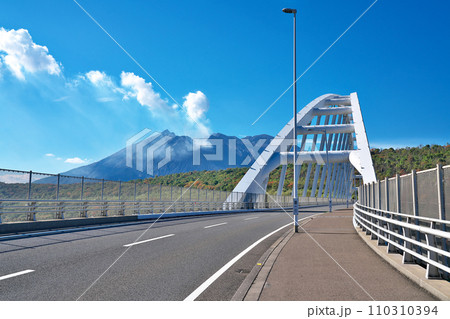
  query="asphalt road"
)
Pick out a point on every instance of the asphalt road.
point(168, 262)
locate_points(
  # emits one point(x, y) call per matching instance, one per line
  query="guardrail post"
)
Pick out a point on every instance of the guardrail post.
point(122, 208)
point(137, 208)
point(84, 209)
point(31, 211)
point(120, 188)
point(441, 204)
point(390, 247)
point(407, 257)
point(160, 192)
point(60, 211)
point(1, 208)
point(148, 192)
point(104, 206)
point(432, 271)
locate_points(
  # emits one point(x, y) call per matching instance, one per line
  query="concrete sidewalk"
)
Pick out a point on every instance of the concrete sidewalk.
point(328, 260)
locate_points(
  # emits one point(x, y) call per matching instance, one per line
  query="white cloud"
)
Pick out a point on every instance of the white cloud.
point(142, 91)
point(75, 160)
point(196, 105)
point(50, 155)
point(20, 54)
point(99, 78)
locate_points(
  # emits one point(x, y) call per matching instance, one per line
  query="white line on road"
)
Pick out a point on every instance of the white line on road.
point(213, 278)
point(147, 240)
point(215, 225)
point(16, 274)
point(251, 218)
point(197, 292)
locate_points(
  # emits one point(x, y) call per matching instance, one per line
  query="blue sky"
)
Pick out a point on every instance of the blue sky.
point(225, 61)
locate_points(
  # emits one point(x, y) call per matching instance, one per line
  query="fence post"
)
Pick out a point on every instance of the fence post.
point(82, 187)
point(440, 191)
point(379, 195)
point(160, 192)
point(135, 191)
point(148, 192)
point(103, 187)
point(120, 188)
point(29, 184)
point(386, 192)
point(414, 192)
point(415, 204)
point(441, 204)
point(57, 188)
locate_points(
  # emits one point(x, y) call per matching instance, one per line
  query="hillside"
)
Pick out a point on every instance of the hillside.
point(387, 162)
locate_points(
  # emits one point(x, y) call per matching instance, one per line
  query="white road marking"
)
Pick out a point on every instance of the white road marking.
point(147, 240)
point(16, 274)
point(251, 218)
point(197, 292)
point(213, 278)
point(215, 225)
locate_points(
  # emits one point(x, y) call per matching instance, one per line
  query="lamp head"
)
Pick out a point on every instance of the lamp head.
point(288, 10)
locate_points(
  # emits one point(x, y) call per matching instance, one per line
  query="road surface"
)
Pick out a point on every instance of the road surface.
point(168, 262)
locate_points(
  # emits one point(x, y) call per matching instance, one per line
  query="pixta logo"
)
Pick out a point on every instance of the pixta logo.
point(152, 147)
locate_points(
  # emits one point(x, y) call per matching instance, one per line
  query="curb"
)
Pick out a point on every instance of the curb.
point(253, 285)
point(440, 289)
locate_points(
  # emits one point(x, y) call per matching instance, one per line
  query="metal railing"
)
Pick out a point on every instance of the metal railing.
point(34, 210)
point(32, 196)
point(407, 213)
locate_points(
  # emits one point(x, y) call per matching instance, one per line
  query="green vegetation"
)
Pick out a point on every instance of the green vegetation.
point(387, 163)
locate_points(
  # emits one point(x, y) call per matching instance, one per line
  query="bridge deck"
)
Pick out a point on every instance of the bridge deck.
point(329, 261)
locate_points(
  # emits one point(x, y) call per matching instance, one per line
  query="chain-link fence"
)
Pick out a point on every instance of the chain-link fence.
point(31, 196)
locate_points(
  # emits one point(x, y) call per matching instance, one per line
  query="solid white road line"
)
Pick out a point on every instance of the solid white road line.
point(215, 225)
point(147, 240)
point(213, 278)
point(251, 218)
point(16, 274)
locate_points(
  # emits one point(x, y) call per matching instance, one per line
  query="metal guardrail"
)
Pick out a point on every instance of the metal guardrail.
point(420, 240)
point(33, 210)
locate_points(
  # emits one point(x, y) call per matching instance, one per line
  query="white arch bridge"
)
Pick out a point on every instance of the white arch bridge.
point(331, 160)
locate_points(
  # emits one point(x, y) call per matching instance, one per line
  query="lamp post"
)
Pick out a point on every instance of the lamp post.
point(295, 190)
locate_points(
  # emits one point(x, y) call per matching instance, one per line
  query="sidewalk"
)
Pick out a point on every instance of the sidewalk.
point(305, 271)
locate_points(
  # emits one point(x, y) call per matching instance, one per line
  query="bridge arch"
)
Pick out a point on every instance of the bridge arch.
point(339, 122)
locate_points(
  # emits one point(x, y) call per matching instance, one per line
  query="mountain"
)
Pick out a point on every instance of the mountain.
point(166, 153)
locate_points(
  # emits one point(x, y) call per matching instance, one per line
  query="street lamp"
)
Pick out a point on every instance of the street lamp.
point(295, 190)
